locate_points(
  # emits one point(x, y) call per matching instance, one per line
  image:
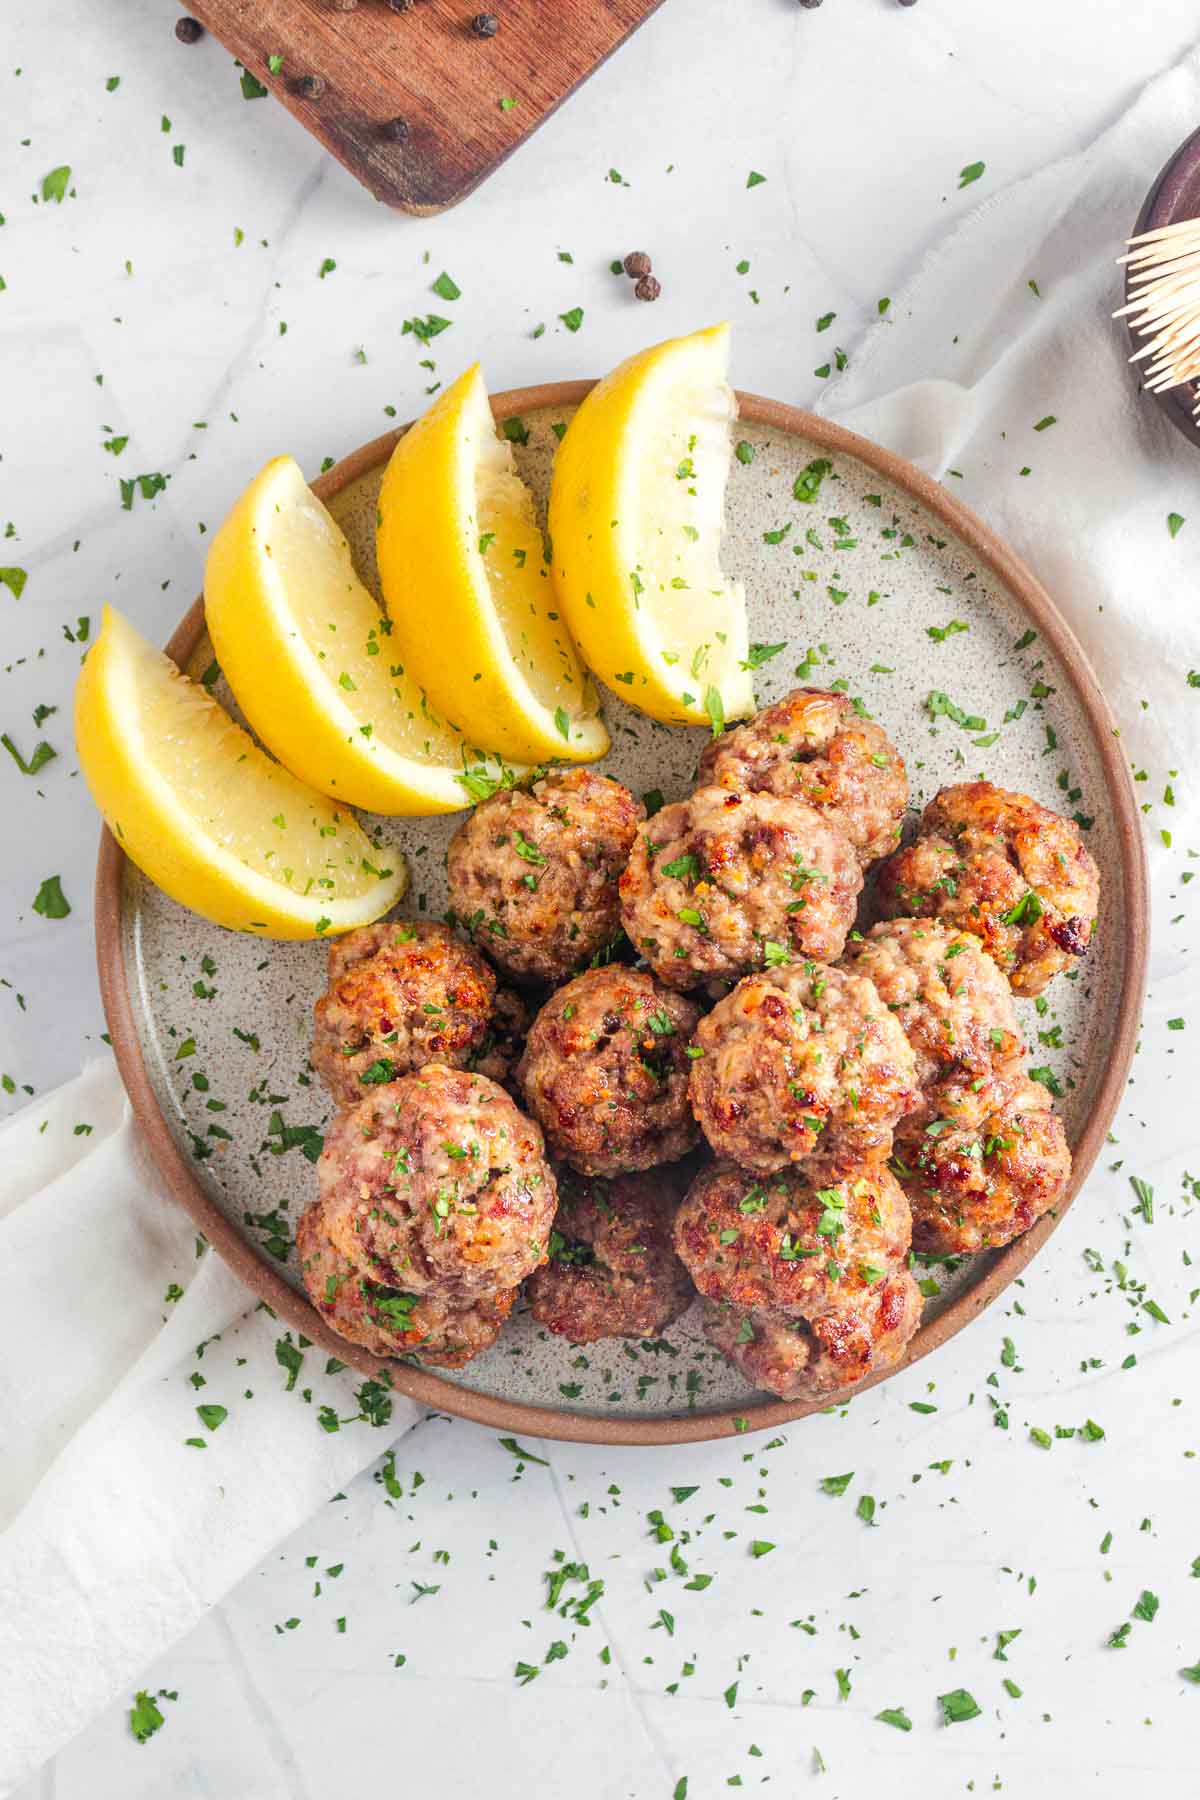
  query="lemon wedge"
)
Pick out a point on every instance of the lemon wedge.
point(313, 660)
point(206, 814)
point(637, 509)
point(464, 579)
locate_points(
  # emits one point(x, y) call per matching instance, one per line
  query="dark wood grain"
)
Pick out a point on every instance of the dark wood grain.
point(427, 68)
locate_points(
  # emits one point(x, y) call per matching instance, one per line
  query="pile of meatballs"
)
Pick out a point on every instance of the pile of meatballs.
point(651, 1057)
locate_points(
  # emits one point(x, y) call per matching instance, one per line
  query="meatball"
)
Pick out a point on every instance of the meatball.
point(388, 1321)
point(799, 1061)
point(438, 1182)
point(500, 1051)
point(820, 748)
point(721, 883)
point(812, 1359)
point(613, 1271)
point(984, 1171)
point(399, 996)
point(954, 1004)
point(786, 1244)
point(533, 872)
point(605, 1072)
point(996, 863)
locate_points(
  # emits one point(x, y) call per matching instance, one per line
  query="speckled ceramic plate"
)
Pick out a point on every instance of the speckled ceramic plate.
point(204, 1019)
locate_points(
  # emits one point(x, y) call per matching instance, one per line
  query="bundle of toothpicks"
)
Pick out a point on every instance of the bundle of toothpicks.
point(1163, 304)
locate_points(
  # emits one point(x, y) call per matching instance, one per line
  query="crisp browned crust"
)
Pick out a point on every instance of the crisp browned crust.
point(821, 748)
point(389, 1321)
point(605, 1072)
point(719, 883)
point(1011, 871)
point(533, 872)
point(786, 1244)
point(438, 1183)
point(815, 1358)
point(613, 1271)
point(952, 1001)
point(986, 1169)
point(797, 1062)
point(400, 995)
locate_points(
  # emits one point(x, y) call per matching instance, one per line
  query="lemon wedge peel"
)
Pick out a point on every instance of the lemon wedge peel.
point(474, 612)
point(189, 796)
point(313, 662)
point(636, 520)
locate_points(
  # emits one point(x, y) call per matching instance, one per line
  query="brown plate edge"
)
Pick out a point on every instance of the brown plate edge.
point(557, 1422)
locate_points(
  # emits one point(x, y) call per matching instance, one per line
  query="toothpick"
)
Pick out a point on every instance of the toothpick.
point(1163, 305)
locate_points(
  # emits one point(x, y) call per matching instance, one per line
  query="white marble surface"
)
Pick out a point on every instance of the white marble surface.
point(860, 115)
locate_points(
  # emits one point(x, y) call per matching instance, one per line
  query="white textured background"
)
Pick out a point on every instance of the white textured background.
point(860, 115)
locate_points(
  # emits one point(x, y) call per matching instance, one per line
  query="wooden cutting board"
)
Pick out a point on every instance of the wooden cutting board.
point(414, 104)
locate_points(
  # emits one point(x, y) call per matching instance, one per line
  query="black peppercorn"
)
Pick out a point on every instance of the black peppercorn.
point(402, 5)
point(810, 4)
point(485, 25)
point(908, 2)
point(310, 87)
point(648, 288)
point(396, 129)
point(188, 31)
point(636, 264)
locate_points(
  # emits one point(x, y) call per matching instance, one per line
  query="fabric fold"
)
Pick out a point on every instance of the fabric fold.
point(127, 1507)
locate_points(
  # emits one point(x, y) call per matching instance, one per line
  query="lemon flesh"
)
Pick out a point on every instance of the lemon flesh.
point(206, 814)
point(313, 659)
point(637, 509)
point(473, 609)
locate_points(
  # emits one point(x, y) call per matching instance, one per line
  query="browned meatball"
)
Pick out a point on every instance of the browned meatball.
point(388, 1321)
point(533, 871)
point(613, 1271)
point(1013, 872)
point(500, 1051)
point(981, 1173)
point(800, 1060)
point(811, 1359)
point(438, 1182)
point(721, 883)
point(954, 1004)
point(399, 996)
point(785, 1244)
point(605, 1072)
point(821, 748)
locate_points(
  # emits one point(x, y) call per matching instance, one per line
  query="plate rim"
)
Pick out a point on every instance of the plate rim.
point(558, 1422)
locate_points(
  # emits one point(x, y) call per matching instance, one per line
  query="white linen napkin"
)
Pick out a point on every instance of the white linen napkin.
point(117, 1533)
point(1007, 325)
